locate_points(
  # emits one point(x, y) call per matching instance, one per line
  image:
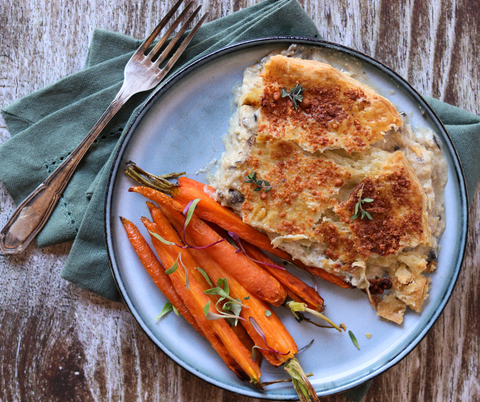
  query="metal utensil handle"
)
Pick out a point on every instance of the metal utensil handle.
point(32, 214)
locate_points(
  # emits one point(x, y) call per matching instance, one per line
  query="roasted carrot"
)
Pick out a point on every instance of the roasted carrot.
point(212, 211)
point(277, 336)
point(248, 273)
point(293, 284)
point(186, 257)
point(218, 332)
point(156, 271)
point(274, 335)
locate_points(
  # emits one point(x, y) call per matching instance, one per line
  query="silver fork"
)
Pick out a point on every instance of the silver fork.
point(143, 72)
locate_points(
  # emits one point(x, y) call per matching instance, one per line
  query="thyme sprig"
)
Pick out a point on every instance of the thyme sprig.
point(359, 211)
point(261, 184)
point(295, 94)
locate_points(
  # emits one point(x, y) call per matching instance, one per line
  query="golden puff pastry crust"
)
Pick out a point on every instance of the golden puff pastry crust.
point(341, 149)
point(336, 112)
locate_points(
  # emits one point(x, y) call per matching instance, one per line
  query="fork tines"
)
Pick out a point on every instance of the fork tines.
point(153, 54)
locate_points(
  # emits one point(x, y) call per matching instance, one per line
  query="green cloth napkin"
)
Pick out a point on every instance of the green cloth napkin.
point(48, 124)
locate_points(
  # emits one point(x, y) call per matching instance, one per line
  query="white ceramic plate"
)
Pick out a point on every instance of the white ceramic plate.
point(180, 128)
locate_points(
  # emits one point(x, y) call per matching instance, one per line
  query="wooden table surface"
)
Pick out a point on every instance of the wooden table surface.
point(60, 343)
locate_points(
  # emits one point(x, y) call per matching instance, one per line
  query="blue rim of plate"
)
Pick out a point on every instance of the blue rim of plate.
point(129, 132)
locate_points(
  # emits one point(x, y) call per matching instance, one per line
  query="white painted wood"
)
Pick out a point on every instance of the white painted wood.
point(60, 343)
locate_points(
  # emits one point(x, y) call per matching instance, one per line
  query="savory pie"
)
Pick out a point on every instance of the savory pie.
point(329, 170)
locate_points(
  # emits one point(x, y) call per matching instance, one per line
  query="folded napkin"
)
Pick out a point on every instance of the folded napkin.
point(48, 124)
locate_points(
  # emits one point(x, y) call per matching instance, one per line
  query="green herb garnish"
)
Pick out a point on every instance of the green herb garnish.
point(230, 308)
point(206, 309)
point(268, 313)
point(165, 310)
point(359, 211)
point(205, 275)
point(261, 184)
point(174, 267)
point(354, 340)
point(295, 94)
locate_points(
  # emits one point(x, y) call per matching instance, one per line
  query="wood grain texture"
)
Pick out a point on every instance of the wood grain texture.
point(60, 343)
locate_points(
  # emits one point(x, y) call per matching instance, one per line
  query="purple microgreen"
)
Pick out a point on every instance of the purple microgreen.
point(202, 247)
point(259, 331)
point(306, 346)
point(187, 207)
point(268, 313)
point(165, 310)
point(354, 339)
point(238, 242)
point(205, 275)
point(173, 268)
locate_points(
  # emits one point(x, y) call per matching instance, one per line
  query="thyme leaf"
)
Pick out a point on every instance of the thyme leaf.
point(295, 94)
point(261, 184)
point(359, 211)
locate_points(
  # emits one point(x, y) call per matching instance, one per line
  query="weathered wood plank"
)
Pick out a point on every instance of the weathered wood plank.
point(60, 343)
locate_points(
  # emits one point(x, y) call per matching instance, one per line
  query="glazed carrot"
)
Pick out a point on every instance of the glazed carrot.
point(248, 273)
point(156, 271)
point(212, 211)
point(218, 332)
point(277, 336)
point(187, 258)
point(288, 280)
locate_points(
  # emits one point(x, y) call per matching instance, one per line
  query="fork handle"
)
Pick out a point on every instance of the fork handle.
point(32, 214)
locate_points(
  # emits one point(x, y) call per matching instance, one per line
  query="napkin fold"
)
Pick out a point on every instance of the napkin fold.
point(47, 125)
